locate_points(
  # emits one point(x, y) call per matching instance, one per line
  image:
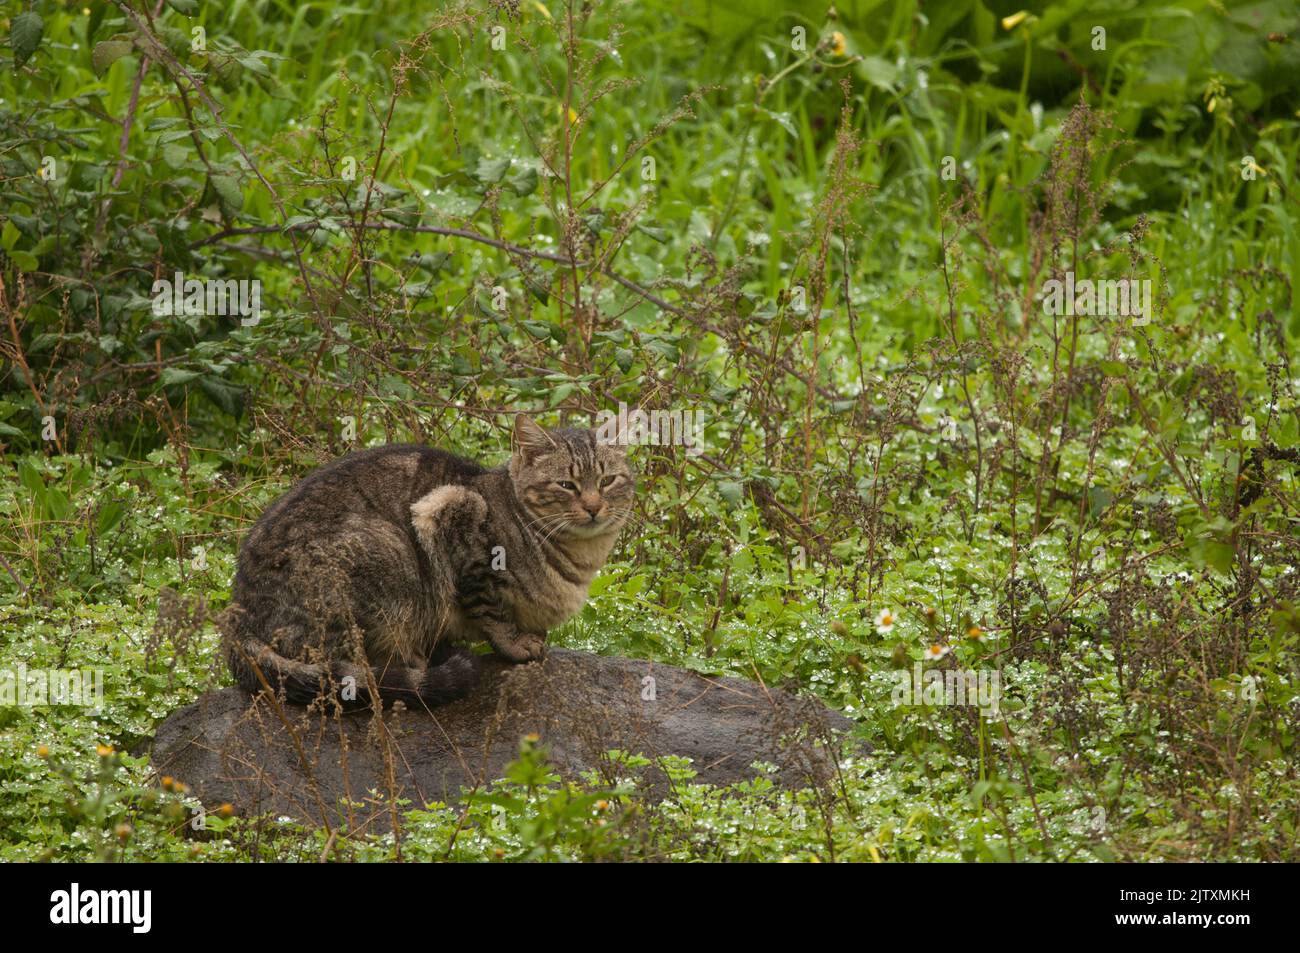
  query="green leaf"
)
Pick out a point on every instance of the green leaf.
point(490, 171)
point(704, 667)
point(878, 72)
point(25, 34)
point(538, 290)
point(667, 349)
point(731, 491)
point(228, 398)
point(1221, 556)
point(781, 119)
point(174, 156)
point(109, 515)
point(658, 234)
point(177, 375)
point(57, 503)
point(1099, 498)
point(108, 52)
point(97, 12)
point(177, 41)
point(30, 477)
point(229, 191)
point(185, 7)
point(523, 182)
point(560, 394)
point(432, 262)
point(25, 261)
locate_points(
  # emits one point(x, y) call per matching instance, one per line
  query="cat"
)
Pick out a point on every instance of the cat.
point(372, 574)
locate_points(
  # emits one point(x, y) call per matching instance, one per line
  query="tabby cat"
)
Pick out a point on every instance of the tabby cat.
point(373, 573)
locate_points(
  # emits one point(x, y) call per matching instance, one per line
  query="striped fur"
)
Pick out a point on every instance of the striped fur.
point(371, 574)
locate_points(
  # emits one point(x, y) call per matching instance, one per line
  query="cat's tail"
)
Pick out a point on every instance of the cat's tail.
point(257, 666)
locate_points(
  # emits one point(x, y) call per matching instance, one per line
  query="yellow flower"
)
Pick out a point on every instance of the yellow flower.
point(42, 752)
point(103, 750)
point(226, 810)
point(976, 633)
point(1011, 22)
point(573, 115)
point(936, 651)
point(885, 621)
point(838, 45)
point(532, 737)
point(167, 782)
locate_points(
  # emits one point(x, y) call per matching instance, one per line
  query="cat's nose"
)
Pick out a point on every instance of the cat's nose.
point(592, 506)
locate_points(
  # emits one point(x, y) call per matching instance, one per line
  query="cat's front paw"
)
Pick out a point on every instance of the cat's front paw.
point(534, 644)
point(519, 646)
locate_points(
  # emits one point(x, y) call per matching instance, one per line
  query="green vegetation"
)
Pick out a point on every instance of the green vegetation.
point(837, 251)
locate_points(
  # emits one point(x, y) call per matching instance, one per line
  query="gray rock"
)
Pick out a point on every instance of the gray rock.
point(230, 747)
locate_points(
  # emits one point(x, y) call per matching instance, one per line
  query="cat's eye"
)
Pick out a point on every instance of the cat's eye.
point(566, 485)
point(609, 480)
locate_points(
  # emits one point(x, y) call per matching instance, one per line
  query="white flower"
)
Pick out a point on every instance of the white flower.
point(936, 652)
point(885, 621)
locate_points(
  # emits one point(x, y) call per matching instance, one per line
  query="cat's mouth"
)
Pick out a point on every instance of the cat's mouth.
point(587, 527)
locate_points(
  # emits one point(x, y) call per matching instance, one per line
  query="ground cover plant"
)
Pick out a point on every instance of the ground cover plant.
point(985, 312)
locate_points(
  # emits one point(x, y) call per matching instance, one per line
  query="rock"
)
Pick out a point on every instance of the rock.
point(231, 748)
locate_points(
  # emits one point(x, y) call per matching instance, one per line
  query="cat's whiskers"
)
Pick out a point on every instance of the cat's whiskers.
point(627, 516)
point(545, 518)
point(547, 525)
point(559, 526)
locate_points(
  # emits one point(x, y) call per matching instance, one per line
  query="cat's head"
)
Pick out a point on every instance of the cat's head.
point(571, 483)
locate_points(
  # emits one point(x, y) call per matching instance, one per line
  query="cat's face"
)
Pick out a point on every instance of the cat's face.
point(570, 483)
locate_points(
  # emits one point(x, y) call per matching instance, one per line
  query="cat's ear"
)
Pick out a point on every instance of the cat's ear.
point(530, 439)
